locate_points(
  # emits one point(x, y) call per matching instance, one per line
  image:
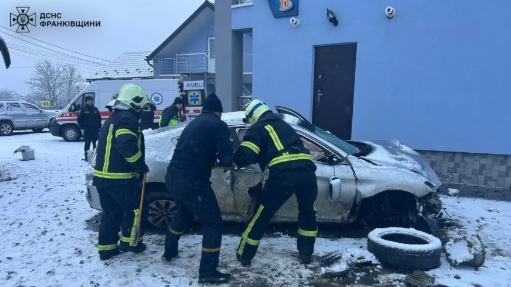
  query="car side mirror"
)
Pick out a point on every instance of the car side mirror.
point(71, 108)
point(334, 189)
point(332, 159)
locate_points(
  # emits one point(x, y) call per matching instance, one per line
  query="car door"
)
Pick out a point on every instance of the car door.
point(222, 182)
point(18, 116)
point(328, 166)
point(332, 173)
point(35, 116)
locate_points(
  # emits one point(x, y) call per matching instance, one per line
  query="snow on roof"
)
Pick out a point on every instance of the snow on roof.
point(127, 66)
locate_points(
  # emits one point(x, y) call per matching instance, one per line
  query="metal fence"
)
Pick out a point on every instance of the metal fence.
point(196, 63)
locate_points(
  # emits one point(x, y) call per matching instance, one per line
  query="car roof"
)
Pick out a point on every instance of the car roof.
point(14, 101)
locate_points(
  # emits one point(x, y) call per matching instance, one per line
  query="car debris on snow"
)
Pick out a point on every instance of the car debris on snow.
point(419, 279)
point(453, 192)
point(465, 251)
point(339, 263)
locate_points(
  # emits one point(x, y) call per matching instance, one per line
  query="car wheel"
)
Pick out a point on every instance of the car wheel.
point(71, 133)
point(38, 130)
point(6, 128)
point(160, 209)
point(405, 248)
point(52, 121)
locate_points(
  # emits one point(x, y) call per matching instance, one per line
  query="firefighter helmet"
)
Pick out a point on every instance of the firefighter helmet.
point(133, 96)
point(254, 110)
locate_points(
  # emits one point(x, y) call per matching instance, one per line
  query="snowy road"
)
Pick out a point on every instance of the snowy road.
point(46, 241)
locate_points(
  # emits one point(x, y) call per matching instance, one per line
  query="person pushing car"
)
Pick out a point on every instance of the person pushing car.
point(203, 141)
point(120, 167)
point(276, 146)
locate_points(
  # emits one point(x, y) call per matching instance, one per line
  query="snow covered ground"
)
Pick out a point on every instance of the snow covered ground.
point(46, 242)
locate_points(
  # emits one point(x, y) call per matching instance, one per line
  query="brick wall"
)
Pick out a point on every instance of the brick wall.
point(471, 168)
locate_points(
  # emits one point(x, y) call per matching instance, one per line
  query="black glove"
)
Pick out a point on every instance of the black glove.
point(141, 168)
point(255, 193)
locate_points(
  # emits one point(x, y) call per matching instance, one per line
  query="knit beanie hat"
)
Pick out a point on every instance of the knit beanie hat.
point(213, 104)
point(178, 100)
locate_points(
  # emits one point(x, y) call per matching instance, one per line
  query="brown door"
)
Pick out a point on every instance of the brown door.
point(334, 82)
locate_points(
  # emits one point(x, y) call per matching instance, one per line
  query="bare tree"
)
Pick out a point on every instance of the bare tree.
point(72, 83)
point(53, 82)
point(9, 95)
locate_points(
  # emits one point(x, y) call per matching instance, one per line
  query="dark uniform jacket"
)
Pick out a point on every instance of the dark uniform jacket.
point(170, 116)
point(89, 118)
point(273, 143)
point(147, 120)
point(120, 156)
point(205, 139)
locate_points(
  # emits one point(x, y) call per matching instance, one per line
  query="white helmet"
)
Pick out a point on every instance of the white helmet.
point(133, 96)
point(254, 110)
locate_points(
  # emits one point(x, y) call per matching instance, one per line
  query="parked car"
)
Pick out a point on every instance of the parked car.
point(384, 183)
point(21, 115)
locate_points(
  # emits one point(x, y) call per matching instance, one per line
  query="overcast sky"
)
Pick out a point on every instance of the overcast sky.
point(126, 26)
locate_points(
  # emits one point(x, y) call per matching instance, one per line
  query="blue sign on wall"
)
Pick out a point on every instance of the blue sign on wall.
point(283, 8)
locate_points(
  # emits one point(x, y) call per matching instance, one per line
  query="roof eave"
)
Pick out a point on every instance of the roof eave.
point(197, 12)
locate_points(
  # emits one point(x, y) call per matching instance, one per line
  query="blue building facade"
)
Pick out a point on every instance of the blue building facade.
point(433, 75)
point(436, 76)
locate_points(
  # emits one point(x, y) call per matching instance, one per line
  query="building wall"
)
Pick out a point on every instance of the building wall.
point(199, 42)
point(436, 76)
point(474, 169)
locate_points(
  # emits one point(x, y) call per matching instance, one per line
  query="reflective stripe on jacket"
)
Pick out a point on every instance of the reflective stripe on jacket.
point(170, 116)
point(274, 143)
point(120, 150)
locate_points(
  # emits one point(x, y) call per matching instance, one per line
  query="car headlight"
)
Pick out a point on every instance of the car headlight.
point(430, 185)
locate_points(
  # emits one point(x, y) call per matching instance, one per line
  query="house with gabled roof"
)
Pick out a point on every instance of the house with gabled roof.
point(189, 53)
point(130, 65)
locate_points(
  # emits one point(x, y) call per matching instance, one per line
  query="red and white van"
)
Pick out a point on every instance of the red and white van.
point(161, 92)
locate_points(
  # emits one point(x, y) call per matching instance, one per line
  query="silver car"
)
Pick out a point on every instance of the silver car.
point(21, 115)
point(383, 183)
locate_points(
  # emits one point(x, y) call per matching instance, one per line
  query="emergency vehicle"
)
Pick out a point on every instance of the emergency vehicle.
point(161, 92)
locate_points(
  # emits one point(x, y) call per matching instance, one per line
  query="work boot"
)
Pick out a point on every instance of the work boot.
point(306, 259)
point(167, 256)
point(170, 248)
point(85, 156)
point(214, 276)
point(107, 254)
point(243, 261)
point(125, 247)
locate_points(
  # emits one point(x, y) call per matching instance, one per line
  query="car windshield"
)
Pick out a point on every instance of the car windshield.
point(343, 145)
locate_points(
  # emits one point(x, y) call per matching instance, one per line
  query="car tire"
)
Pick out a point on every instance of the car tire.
point(405, 248)
point(52, 121)
point(159, 209)
point(38, 130)
point(71, 133)
point(6, 128)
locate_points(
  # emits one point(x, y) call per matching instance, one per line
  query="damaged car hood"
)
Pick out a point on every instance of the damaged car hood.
point(394, 154)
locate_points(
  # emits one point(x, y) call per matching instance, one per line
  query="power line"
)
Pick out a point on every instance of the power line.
point(54, 45)
point(52, 49)
point(48, 54)
point(35, 58)
point(60, 60)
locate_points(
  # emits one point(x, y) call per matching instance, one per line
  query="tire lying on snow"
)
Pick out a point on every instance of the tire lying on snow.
point(405, 248)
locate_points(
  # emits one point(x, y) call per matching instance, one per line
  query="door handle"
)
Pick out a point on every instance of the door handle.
point(319, 96)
